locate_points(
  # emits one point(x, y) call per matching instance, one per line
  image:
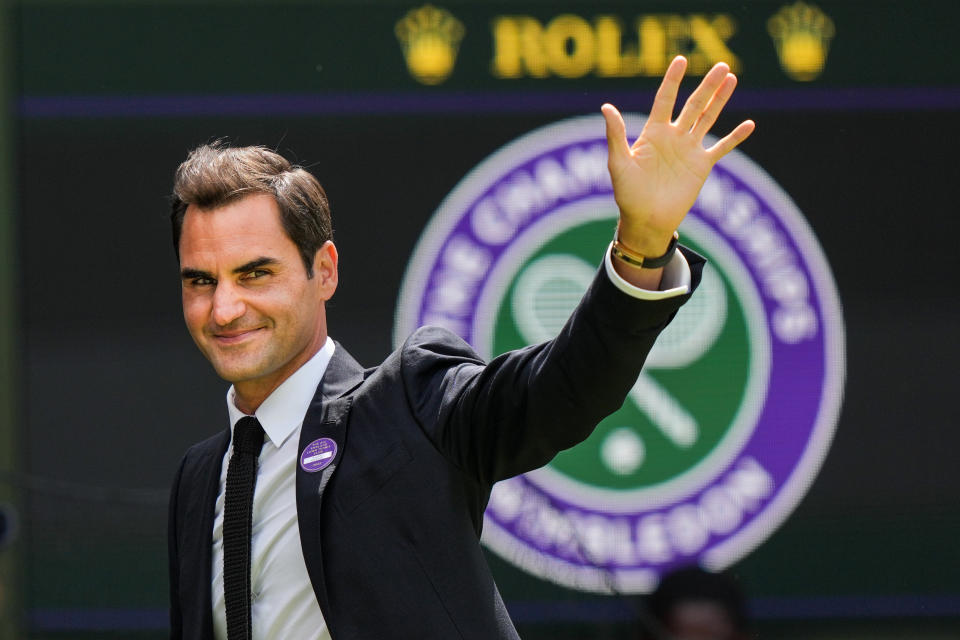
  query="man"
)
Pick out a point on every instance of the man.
point(371, 484)
point(693, 604)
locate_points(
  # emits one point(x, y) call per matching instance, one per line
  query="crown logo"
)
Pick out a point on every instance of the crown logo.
point(430, 38)
point(801, 34)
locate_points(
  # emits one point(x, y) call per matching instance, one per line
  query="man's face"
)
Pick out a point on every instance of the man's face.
point(247, 301)
point(701, 620)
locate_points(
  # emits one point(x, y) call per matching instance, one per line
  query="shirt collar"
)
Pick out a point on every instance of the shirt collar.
point(283, 410)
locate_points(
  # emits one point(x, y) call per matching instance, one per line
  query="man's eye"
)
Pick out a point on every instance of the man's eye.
point(202, 282)
point(256, 273)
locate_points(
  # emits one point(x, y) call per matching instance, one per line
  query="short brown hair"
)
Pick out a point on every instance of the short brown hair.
point(214, 175)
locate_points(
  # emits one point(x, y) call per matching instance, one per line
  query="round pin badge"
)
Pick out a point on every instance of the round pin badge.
point(318, 455)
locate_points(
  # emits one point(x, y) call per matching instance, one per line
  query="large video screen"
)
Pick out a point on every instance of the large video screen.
point(794, 427)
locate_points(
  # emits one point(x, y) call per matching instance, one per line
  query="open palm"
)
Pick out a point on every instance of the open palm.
point(656, 179)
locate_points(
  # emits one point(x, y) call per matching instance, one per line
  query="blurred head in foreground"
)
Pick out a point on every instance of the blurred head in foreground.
point(693, 604)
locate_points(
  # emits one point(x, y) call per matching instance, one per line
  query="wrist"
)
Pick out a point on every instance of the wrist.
point(657, 255)
point(647, 279)
point(644, 240)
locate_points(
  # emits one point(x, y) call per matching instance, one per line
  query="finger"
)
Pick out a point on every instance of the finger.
point(666, 98)
point(617, 145)
point(726, 144)
point(717, 103)
point(698, 100)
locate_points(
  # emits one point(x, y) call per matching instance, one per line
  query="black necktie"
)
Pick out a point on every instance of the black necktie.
point(237, 525)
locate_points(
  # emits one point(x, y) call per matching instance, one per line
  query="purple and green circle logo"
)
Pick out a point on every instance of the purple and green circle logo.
point(735, 409)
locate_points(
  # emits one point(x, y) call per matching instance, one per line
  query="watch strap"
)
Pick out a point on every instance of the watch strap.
point(631, 257)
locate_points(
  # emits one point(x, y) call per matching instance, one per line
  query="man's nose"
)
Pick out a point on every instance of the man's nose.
point(228, 304)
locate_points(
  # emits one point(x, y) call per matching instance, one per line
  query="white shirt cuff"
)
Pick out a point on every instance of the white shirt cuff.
point(675, 280)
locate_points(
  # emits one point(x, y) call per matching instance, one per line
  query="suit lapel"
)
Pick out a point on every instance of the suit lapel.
point(197, 553)
point(326, 419)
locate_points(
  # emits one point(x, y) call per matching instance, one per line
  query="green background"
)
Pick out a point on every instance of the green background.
point(711, 390)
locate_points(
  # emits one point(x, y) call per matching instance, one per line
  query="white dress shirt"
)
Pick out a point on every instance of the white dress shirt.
point(283, 604)
point(675, 280)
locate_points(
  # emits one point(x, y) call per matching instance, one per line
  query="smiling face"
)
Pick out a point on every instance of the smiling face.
point(247, 300)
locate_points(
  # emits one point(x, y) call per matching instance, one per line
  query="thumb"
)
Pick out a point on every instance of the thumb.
point(617, 145)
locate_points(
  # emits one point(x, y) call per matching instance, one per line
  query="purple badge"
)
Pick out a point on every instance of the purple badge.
point(318, 455)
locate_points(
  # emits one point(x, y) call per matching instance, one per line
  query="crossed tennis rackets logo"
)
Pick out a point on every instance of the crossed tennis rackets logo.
point(547, 291)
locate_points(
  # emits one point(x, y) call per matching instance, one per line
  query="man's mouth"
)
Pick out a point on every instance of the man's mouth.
point(234, 337)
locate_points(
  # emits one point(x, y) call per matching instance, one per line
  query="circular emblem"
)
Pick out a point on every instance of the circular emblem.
point(735, 409)
point(318, 455)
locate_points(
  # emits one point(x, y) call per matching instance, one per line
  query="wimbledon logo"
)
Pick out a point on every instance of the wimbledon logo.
point(732, 416)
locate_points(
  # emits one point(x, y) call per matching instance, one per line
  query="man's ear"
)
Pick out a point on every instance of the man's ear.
point(325, 269)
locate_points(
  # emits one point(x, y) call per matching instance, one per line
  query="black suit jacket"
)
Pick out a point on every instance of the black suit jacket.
point(390, 529)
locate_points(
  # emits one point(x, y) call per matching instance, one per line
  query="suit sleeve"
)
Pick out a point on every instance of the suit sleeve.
point(176, 620)
point(516, 413)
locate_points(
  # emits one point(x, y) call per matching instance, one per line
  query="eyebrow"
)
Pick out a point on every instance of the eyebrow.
point(263, 261)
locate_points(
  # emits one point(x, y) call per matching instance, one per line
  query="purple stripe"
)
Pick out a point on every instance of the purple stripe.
point(769, 608)
point(76, 619)
point(197, 105)
point(614, 609)
point(916, 606)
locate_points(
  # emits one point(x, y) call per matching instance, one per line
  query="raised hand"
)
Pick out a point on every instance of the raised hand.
point(656, 180)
